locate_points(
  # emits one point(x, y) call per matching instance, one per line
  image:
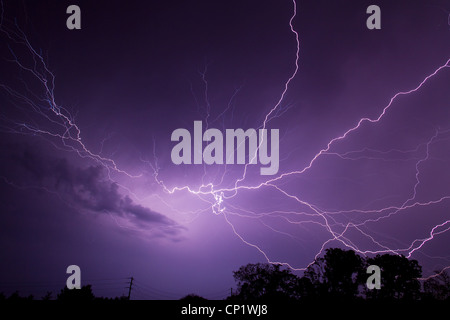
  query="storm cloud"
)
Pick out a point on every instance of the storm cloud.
point(86, 188)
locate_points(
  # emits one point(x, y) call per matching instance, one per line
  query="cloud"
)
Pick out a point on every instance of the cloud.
point(87, 188)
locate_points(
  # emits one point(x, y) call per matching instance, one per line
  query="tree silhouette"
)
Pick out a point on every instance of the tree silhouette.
point(48, 296)
point(337, 275)
point(398, 277)
point(83, 294)
point(192, 297)
point(437, 287)
point(341, 275)
point(305, 289)
point(265, 281)
point(16, 297)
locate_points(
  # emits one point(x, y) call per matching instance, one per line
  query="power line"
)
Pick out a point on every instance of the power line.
point(154, 293)
point(108, 287)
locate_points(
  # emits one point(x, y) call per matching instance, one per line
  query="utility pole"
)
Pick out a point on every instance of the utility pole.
point(129, 290)
point(231, 291)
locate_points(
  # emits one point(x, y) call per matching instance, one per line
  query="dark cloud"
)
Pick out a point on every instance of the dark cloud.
point(87, 188)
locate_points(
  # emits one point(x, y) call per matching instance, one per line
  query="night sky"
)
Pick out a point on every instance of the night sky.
point(86, 175)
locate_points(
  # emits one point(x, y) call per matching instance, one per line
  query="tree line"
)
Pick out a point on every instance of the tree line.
point(339, 275)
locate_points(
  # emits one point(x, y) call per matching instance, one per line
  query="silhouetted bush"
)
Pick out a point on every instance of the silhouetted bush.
point(83, 294)
point(192, 297)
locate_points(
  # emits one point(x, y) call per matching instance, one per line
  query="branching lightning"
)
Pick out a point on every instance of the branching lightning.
point(56, 122)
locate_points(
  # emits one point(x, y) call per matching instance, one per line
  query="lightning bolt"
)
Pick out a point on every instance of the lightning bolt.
point(58, 125)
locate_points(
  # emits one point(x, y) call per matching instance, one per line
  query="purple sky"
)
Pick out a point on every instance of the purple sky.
point(137, 70)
